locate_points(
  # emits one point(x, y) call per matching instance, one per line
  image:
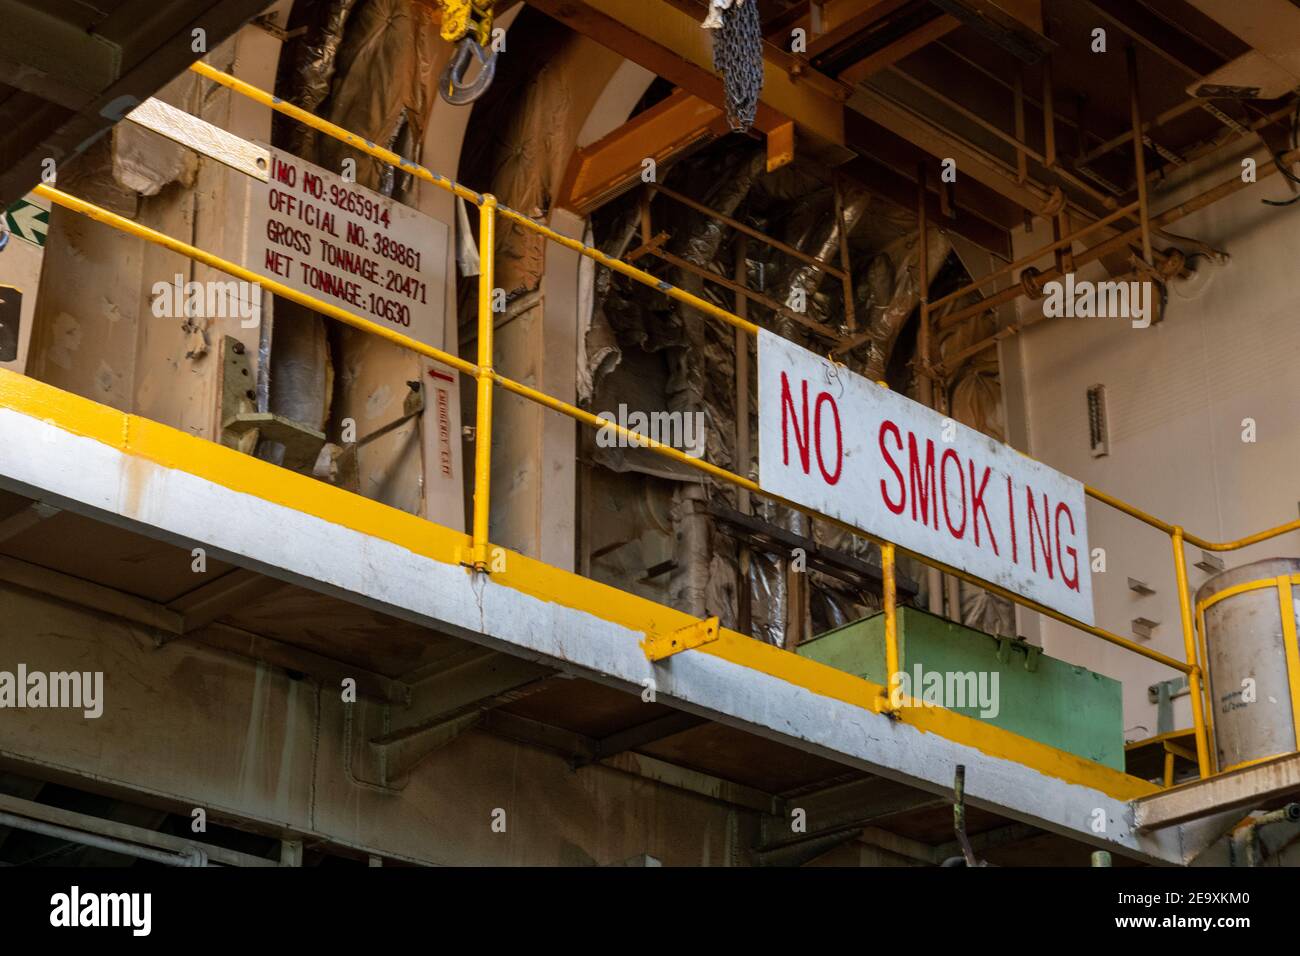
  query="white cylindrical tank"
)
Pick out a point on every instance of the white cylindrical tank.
point(1249, 619)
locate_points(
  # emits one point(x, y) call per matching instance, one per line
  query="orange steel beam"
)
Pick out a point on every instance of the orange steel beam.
point(614, 163)
point(670, 43)
point(840, 20)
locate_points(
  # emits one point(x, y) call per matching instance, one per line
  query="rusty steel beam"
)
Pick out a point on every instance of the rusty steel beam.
point(939, 142)
point(1098, 251)
point(1238, 790)
point(842, 20)
point(1147, 28)
point(903, 47)
point(1014, 25)
point(668, 41)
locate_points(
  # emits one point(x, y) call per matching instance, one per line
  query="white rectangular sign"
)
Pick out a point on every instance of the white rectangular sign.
point(833, 441)
point(349, 246)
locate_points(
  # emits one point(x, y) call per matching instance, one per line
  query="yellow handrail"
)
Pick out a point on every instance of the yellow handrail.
point(486, 376)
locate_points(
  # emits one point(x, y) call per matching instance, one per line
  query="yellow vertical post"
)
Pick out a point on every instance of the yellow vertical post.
point(1189, 646)
point(483, 422)
point(1292, 647)
point(889, 591)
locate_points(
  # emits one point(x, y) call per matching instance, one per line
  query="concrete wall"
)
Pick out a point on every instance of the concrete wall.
point(1178, 393)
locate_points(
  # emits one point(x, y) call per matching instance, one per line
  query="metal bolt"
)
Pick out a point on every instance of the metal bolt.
point(239, 348)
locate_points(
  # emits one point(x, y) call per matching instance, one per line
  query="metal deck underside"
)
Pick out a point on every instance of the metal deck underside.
point(322, 583)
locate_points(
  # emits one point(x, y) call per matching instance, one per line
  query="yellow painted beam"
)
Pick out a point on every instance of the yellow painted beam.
point(170, 448)
point(658, 647)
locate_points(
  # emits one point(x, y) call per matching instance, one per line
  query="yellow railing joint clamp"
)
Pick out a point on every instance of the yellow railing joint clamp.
point(658, 647)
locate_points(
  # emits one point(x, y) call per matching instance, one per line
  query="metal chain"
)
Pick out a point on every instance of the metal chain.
point(738, 57)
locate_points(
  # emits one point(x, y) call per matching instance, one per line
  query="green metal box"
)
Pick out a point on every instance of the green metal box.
point(1009, 683)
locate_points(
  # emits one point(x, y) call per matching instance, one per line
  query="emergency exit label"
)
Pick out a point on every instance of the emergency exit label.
point(349, 246)
point(833, 441)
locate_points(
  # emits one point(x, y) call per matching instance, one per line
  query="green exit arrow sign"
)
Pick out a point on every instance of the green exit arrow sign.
point(28, 221)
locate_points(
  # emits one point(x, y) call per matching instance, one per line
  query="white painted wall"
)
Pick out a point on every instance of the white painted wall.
point(1178, 393)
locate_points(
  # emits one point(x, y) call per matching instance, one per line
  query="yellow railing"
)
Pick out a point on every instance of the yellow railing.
point(486, 377)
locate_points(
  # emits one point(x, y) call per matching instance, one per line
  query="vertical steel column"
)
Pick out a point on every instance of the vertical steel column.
point(850, 310)
point(1189, 647)
point(483, 427)
point(1291, 643)
point(889, 593)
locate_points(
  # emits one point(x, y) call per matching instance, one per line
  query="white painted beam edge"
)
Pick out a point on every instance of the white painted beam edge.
point(203, 137)
point(41, 460)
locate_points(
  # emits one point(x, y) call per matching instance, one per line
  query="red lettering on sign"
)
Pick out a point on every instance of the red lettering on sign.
point(800, 439)
point(282, 172)
point(1072, 579)
point(792, 419)
point(1043, 529)
point(922, 488)
point(957, 532)
point(839, 437)
point(977, 505)
point(1011, 520)
point(897, 509)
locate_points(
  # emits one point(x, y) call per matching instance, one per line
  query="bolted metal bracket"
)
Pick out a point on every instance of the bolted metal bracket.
point(658, 647)
point(243, 426)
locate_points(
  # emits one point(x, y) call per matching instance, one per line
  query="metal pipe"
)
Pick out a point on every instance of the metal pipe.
point(1172, 113)
point(484, 375)
point(1015, 141)
point(1063, 242)
point(197, 858)
point(1115, 243)
point(1189, 648)
point(632, 272)
point(811, 324)
point(750, 231)
point(850, 310)
point(1139, 153)
point(1246, 541)
point(959, 816)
